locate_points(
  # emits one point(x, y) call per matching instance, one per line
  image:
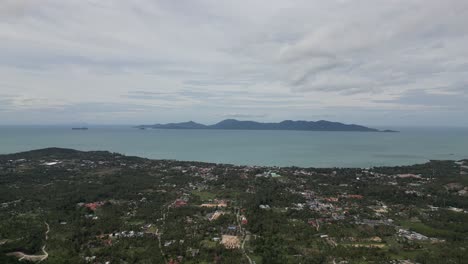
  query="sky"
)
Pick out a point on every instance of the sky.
point(370, 62)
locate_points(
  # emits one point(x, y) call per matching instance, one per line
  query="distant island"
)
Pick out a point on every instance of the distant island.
point(79, 128)
point(233, 124)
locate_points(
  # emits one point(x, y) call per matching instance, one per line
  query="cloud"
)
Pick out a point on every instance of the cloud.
point(435, 100)
point(243, 115)
point(15, 8)
point(288, 59)
point(6, 104)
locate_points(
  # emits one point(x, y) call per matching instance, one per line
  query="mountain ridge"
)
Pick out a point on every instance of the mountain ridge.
point(234, 124)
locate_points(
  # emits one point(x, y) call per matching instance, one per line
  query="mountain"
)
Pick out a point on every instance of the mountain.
point(234, 124)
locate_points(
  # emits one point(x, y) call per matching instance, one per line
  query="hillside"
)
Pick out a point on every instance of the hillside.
point(66, 206)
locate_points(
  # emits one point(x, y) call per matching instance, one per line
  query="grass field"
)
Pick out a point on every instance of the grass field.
point(204, 195)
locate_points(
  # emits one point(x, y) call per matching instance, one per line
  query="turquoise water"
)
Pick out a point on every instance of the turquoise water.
point(279, 148)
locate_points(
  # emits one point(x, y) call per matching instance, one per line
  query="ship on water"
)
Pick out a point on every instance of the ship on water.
point(79, 128)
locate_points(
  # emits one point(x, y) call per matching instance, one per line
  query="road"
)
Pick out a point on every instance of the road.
point(34, 258)
point(245, 237)
point(164, 214)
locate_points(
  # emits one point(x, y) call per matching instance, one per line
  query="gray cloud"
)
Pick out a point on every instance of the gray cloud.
point(448, 101)
point(241, 115)
point(284, 58)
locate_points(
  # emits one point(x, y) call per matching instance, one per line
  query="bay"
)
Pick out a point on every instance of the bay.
point(247, 147)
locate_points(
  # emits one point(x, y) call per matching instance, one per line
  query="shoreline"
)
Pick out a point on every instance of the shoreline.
point(220, 163)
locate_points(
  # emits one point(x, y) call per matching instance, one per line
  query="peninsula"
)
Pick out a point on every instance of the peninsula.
point(233, 124)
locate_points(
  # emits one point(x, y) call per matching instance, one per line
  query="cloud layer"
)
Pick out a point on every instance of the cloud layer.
point(141, 61)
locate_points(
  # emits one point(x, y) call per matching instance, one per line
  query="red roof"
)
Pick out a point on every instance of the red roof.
point(244, 221)
point(94, 206)
point(179, 203)
point(355, 196)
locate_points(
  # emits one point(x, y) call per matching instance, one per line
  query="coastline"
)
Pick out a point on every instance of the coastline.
point(68, 150)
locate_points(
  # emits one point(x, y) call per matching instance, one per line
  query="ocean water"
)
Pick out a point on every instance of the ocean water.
point(244, 147)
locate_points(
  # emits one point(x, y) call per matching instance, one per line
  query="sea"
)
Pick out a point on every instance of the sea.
point(251, 147)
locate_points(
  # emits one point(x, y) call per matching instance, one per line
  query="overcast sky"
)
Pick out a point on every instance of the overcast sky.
point(130, 62)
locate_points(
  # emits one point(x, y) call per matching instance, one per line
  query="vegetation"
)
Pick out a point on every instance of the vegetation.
point(105, 207)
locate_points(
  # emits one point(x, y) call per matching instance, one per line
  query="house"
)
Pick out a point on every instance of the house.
point(244, 220)
point(179, 203)
point(274, 175)
point(314, 223)
point(454, 209)
point(331, 199)
point(379, 209)
point(216, 203)
point(408, 175)
point(215, 215)
point(168, 243)
point(352, 196)
point(268, 174)
point(410, 235)
point(52, 163)
point(94, 206)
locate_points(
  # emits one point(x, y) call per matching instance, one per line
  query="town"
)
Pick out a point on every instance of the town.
point(67, 206)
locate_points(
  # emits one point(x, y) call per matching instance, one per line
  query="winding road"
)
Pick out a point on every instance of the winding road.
point(164, 214)
point(34, 258)
point(244, 237)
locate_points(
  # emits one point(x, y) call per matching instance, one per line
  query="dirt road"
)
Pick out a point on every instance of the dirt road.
point(245, 237)
point(34, 258)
